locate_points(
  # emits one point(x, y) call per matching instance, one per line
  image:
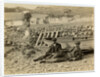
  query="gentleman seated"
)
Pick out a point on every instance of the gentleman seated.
point(75, 53)
point(53, 52)
point(70, 54)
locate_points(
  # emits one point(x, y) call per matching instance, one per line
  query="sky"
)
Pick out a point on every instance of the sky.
point(28, 6)
point(12, 5)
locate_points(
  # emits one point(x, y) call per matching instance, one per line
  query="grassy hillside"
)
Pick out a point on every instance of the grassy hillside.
point(56, 10)
point(60, 10)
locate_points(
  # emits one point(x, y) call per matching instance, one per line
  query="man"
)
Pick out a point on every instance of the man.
point(27, 40)
point(75, 53)
point(53, 52)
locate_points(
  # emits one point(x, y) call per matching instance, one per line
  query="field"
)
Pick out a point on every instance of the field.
point(67, 24)
point(16, 63)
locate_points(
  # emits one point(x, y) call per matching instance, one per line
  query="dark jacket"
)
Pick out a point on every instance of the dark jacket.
point(54, 48)
point(75, 53)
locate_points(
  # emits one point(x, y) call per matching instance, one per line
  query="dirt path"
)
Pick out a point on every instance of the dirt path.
point(17, 64)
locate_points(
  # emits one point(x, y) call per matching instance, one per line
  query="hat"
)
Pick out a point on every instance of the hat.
point(77, 43)
point(54, 39)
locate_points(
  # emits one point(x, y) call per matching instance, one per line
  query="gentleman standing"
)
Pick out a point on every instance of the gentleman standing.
point(27, 45)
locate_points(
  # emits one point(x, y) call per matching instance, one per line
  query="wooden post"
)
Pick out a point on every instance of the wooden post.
point(52, 33)
point(47, 35)
point(42, 39)
point(56, 34)
point(41, 42)
point(38, 39)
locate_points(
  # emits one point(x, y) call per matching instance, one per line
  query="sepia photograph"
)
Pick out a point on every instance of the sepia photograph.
point(48, 39)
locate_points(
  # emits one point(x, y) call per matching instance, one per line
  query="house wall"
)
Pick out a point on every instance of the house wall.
point(14, 23)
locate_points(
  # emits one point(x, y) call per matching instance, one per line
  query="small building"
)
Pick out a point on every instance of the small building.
point(13, 19)
point(16, 19)
point(38, 19)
